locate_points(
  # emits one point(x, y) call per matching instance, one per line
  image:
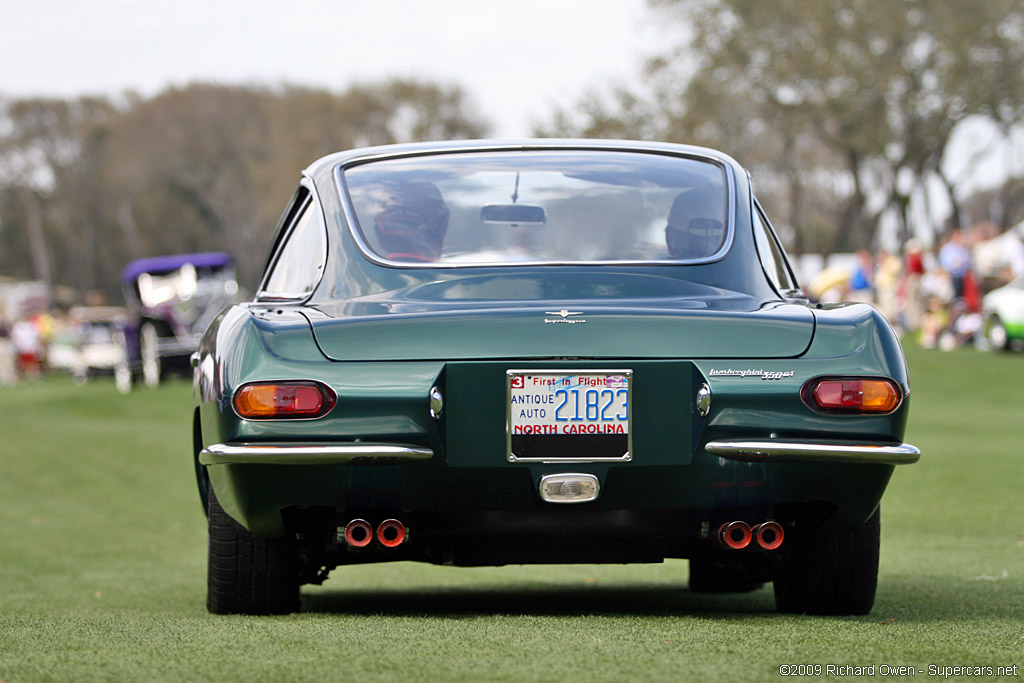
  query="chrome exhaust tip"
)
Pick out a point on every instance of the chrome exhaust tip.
point(734, 535)
point(391, 533)
point(769, 535)
point(358, 533)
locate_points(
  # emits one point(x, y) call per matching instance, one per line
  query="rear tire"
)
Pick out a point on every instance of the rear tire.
point(833, 573)
point(246, 575)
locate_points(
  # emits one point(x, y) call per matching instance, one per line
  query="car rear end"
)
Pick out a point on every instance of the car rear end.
point(555, 458)
point(607, 368)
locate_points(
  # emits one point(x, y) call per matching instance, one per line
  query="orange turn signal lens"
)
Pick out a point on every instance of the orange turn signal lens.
point(277, 400)
point(854, 396)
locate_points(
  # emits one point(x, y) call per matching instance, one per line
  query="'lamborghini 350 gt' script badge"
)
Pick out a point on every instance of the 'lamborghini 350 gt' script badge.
point(563, 317)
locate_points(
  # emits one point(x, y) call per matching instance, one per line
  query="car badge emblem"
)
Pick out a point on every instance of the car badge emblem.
point(563, 317)
point(763, 374)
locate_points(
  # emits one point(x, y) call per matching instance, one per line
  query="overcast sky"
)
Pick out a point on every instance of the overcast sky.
point(518, 59)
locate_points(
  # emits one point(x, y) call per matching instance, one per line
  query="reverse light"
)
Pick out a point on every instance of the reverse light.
point(283, 400)
point(853, 395)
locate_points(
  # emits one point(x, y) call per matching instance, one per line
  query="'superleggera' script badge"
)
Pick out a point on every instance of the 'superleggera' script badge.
point(563, 317)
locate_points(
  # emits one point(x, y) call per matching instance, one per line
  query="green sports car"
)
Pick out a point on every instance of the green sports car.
point(552, 351)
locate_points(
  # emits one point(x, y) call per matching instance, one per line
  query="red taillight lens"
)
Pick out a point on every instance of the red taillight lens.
point(275, 400)
point(855, 396)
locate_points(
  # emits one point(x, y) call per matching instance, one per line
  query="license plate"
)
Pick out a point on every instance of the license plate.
point(569, 416)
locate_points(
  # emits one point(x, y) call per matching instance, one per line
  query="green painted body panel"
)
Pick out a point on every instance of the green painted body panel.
point(605, 334)
point(387, 401)
point(664, 423)
point(258, 493)
point(611, 315)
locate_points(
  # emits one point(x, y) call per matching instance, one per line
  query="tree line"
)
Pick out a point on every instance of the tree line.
point(844, 110)
point(90, 183)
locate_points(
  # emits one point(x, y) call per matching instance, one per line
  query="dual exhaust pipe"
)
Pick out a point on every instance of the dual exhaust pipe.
point(390, 533)
point(739, 535)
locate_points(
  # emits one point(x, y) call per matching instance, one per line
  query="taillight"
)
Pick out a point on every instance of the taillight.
point(283, 400)
point(852, 395)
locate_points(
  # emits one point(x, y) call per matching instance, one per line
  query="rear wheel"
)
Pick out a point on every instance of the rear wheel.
point(832, 573)
point(246, 575)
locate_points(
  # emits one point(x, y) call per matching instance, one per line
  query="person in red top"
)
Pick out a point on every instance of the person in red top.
point(913, 270)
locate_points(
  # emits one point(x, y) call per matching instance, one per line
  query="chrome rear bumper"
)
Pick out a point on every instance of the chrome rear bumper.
point(745, 451)
point(788, 451)
point(309, 454)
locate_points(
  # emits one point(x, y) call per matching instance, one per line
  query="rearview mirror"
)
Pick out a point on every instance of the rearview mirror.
point(514, 214)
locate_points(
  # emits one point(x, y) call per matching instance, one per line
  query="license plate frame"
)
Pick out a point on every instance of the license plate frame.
point(566, 433)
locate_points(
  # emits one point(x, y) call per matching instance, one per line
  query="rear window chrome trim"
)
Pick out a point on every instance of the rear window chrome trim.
point(731, 197)
point(311, 201)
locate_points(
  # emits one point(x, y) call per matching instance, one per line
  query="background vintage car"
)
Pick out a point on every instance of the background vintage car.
point(1003, 314)
point(100, 343)
point(487, 353)
point(172, 300)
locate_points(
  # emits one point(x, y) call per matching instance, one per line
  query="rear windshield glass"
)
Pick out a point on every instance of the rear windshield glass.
point(486, 208)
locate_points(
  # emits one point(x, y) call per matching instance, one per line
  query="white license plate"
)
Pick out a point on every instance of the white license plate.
point(561, 415)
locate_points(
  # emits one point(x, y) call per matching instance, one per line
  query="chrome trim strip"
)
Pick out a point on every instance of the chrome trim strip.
point(295, 297)
point(282, 298)
point(301, 454)
point(786, 451)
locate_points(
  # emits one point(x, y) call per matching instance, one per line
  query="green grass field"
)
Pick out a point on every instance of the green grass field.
point(102, 567)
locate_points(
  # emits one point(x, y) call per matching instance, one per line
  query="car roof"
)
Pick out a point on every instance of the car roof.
point(329, 162)
point(732, 272)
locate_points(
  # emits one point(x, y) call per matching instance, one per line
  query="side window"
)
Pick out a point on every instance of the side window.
point(771, 254)
point(300, 261)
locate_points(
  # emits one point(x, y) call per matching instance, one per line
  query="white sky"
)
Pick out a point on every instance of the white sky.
point(517, 59)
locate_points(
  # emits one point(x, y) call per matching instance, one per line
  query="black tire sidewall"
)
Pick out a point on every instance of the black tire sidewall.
point(831, 572)
point(247, 575)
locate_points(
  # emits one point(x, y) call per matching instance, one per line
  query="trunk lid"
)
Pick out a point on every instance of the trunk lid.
point(451, 320)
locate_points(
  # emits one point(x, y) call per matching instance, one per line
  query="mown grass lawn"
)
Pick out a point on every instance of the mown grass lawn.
point(102, 567)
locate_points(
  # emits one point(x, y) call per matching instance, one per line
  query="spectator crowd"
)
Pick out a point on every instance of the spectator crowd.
point(79, 340)
point(936, 295)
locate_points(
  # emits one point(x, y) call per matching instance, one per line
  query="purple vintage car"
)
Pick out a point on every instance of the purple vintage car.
point(172, 300)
